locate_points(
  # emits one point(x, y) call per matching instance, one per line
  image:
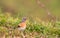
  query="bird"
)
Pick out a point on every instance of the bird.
point(22, 25)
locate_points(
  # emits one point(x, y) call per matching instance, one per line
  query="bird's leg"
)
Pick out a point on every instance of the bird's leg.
point(22, 33)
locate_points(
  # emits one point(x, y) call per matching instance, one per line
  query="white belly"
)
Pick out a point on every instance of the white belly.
point(22, 29)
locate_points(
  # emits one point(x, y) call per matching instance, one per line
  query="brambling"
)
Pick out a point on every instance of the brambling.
point(22, 25)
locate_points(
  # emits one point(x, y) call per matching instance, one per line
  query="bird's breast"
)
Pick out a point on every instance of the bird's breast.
point(22, 24)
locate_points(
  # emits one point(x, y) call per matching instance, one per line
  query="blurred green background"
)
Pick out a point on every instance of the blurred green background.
point(36, 11)
point(31, 8)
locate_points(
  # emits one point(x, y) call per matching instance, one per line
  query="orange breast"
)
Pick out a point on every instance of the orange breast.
point(22, 24)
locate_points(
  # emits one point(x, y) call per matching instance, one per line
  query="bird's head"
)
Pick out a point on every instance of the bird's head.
point(24, 19)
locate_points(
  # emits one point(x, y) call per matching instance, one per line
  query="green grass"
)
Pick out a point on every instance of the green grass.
point(37, 29)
